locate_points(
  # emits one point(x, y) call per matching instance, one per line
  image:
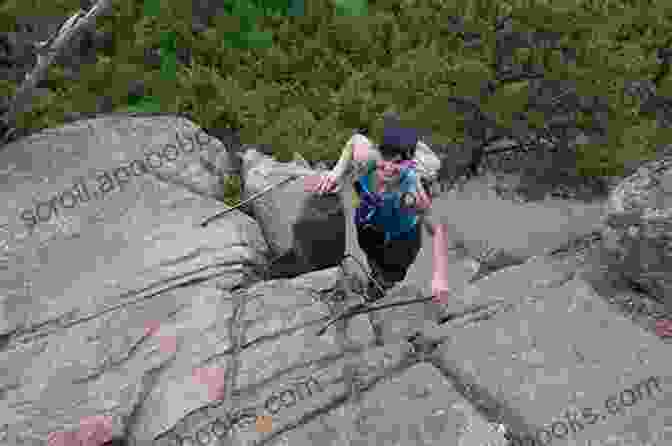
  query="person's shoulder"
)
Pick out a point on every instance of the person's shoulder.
point(361, 167)
point(373, 154)
point(360, 138)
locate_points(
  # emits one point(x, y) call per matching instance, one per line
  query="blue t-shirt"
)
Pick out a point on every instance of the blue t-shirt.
point(386, 209)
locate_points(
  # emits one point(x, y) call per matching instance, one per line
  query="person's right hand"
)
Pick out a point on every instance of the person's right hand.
point(328, 183)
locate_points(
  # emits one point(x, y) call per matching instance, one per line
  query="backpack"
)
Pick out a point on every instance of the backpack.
point(428, 163)
point(385, 210)
point(428, 166)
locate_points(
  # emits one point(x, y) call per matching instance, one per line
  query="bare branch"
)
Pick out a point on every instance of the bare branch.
point(47, 52)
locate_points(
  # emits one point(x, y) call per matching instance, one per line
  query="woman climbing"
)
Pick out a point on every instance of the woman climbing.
point(393, 202)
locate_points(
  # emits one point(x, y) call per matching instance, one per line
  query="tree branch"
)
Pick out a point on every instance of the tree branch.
point(47, 52)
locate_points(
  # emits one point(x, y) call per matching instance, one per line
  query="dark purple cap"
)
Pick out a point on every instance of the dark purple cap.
point(400, 137)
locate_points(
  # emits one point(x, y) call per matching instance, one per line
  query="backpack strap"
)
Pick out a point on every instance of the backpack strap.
point(364, 183)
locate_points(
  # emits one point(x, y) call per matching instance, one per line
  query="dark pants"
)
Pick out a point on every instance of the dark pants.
point(389, 261)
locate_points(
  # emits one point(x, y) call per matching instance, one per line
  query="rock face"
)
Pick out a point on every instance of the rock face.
point(122, 319)
point(638, 230)
point(541, 363)
point(102, 242)
point(520, 231)
point(314, 391)
point(306, 232)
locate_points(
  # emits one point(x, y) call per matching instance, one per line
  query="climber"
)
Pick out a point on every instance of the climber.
point(393, 202)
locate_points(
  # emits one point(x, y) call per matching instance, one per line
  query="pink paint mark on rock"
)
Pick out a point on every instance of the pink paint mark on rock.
point(63, 438)
point(167, 344)
point(664, 328)
point(214, 378)
point(95, 430)
point(440, 290)
point(152, 327)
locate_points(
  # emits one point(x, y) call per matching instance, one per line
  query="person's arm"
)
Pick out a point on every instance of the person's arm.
point(347, 166)
point(345, 161)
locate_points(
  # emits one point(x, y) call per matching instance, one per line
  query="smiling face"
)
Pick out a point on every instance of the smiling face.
point(389, 167)
point(389, 163)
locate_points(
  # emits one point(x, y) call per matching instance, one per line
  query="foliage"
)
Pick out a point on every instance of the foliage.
point(232, 190)
point(326, 74)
